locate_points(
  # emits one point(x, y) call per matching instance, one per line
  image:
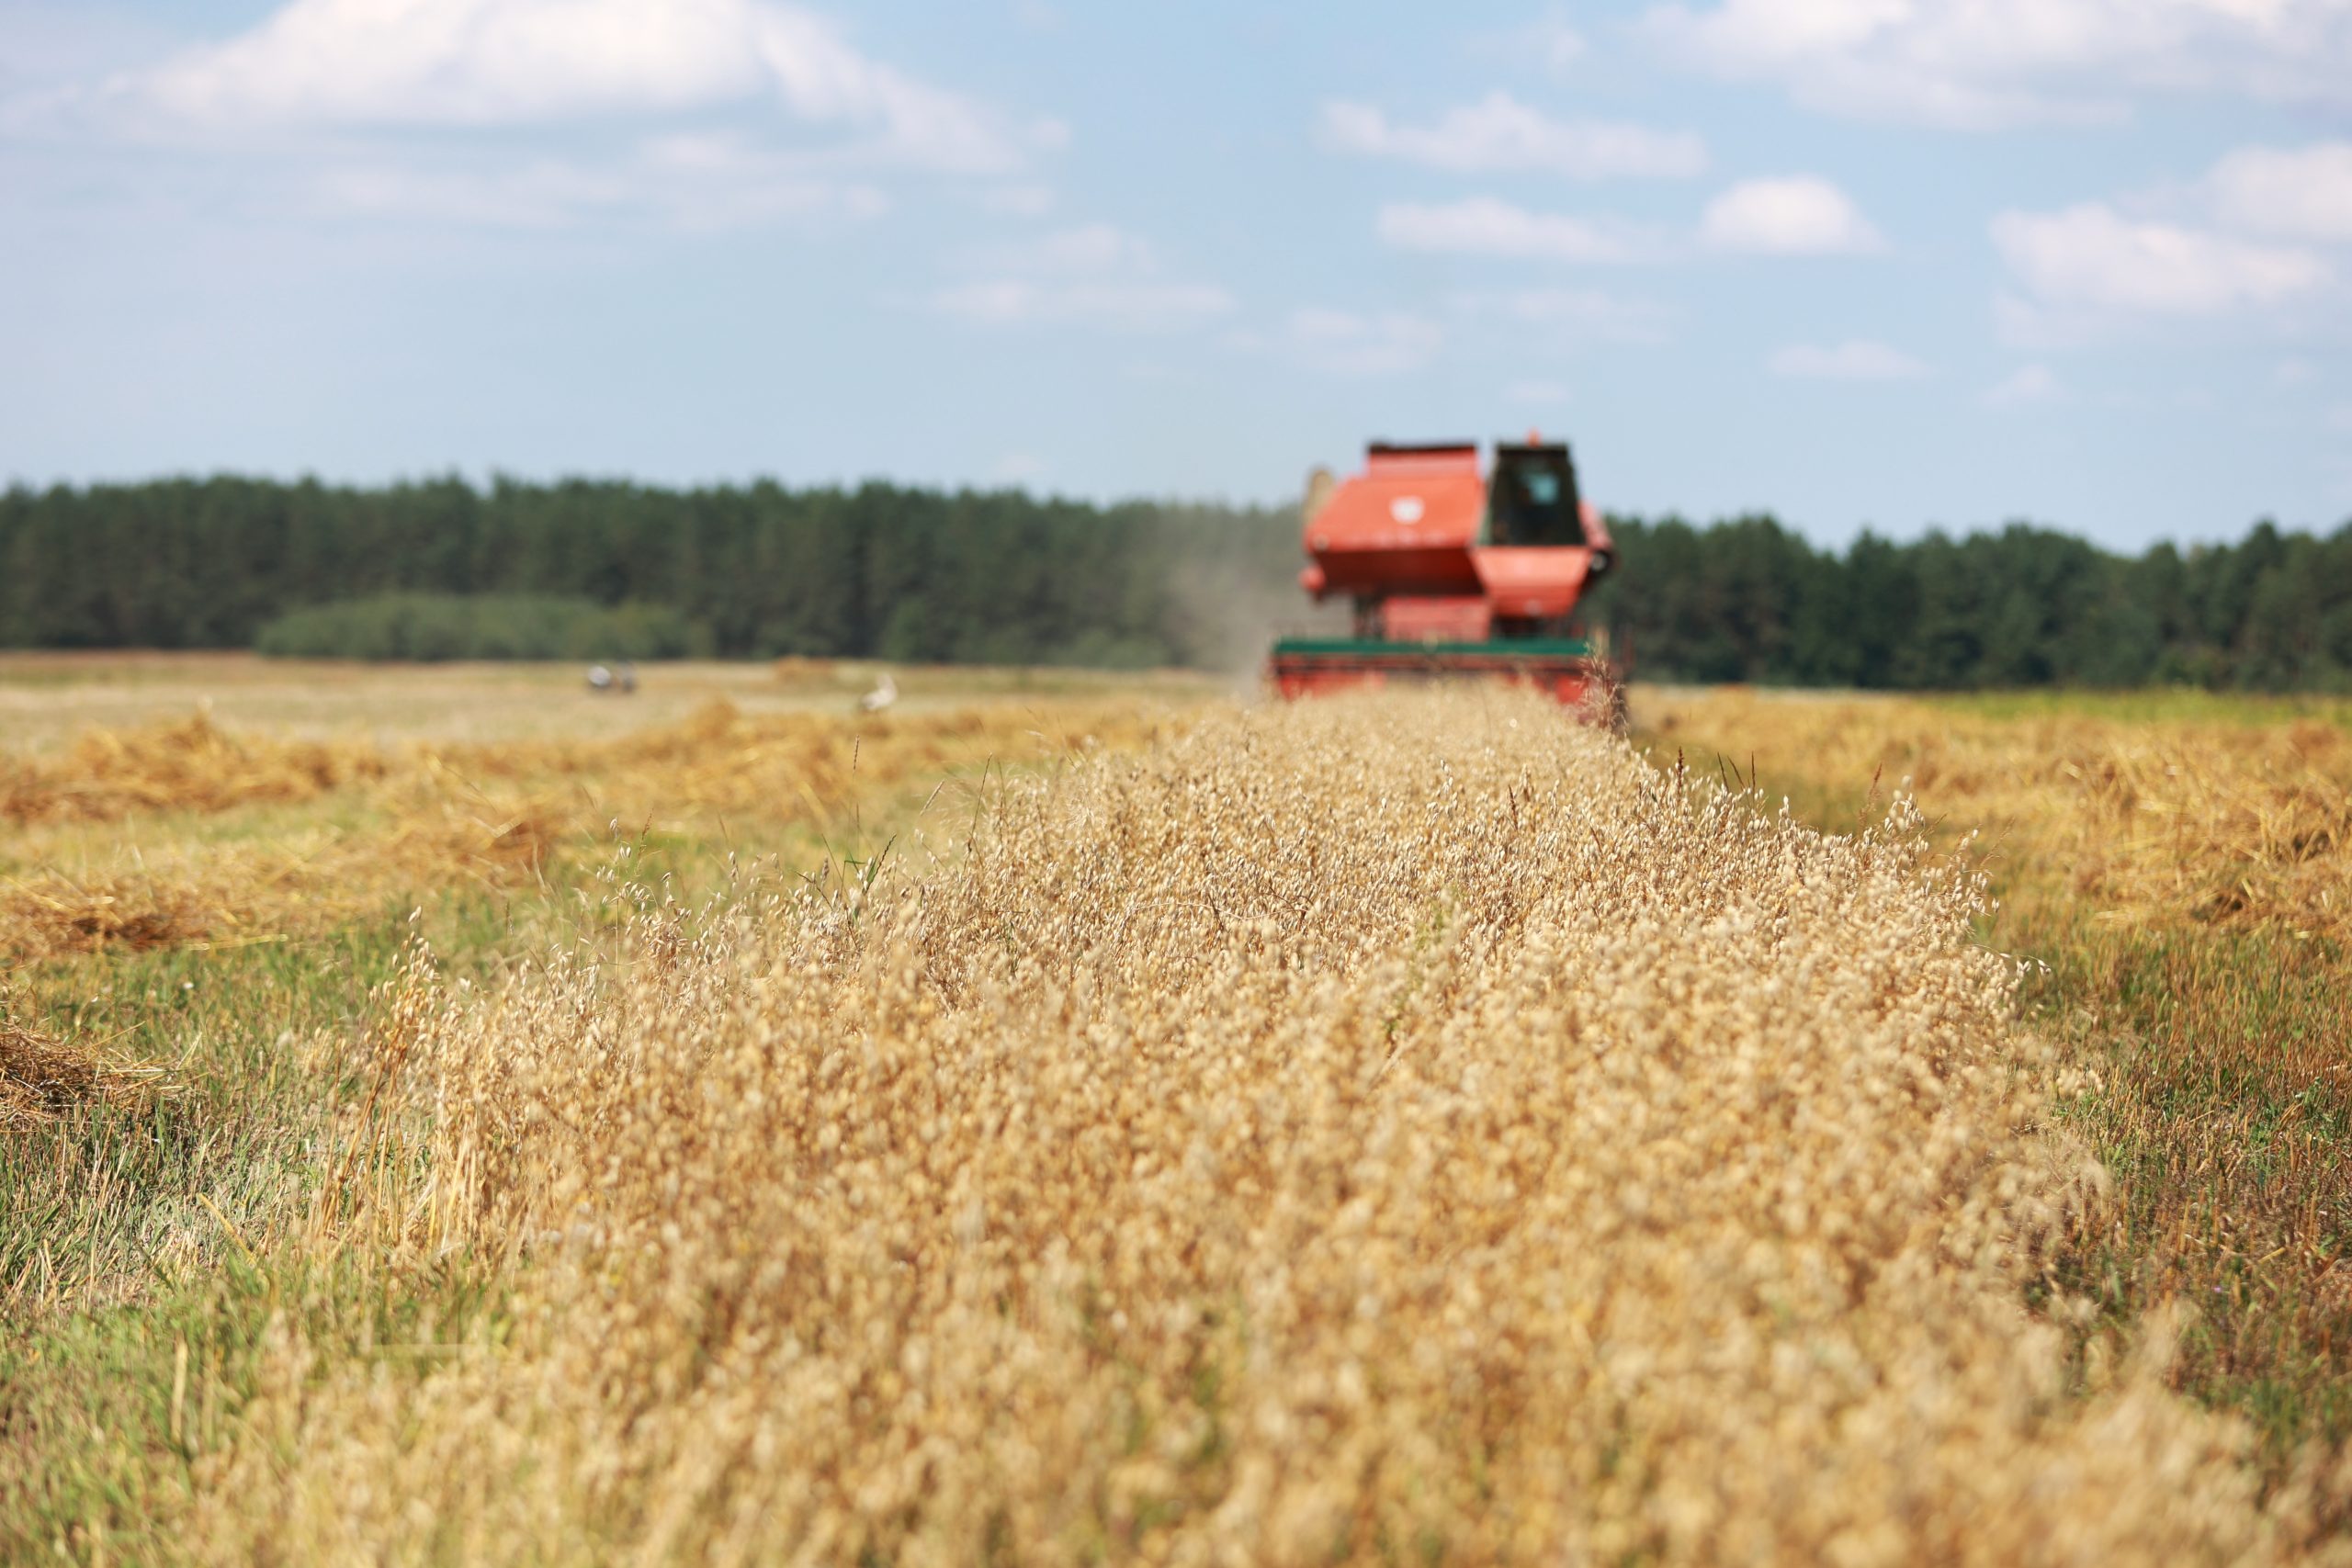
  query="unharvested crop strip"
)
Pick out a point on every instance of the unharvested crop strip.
point(1389, 1128)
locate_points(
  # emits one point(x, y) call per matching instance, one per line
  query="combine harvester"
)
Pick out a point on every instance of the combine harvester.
point(1455, 575)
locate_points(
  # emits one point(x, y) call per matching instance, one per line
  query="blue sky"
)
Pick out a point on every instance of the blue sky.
point(1895, 262)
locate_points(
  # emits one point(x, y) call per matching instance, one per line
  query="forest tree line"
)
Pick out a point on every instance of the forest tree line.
point(1002, 577)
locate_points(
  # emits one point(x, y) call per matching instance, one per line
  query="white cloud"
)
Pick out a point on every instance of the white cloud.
point(2295, 193)
point(1018, 468)
point(1799, 215)
point(1858, 359)
point(1485, 226)
point(1986, 63)
point(2090, 257)
point(1535, 393)
point(504, 62)
point(1349, 343)
point(692, 181)
point(1499, 132)
point(2030, 384)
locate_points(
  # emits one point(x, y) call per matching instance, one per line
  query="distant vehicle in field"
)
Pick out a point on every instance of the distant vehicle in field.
point(1453, 574)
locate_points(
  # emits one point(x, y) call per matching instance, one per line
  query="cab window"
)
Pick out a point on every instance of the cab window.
point(1533, 500)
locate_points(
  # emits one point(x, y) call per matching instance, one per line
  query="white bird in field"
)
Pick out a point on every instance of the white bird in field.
point(885, 693)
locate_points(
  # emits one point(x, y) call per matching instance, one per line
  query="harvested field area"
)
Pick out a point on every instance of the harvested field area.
point(191, 765)
point(47, 700)
point(2181, 866)
point(2212, 812)
point(105, 857)
point(1387, 1128)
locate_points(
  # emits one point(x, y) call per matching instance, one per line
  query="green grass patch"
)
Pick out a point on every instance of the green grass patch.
point(114, 1419)
point(142, 1250)
point(2217, 1101)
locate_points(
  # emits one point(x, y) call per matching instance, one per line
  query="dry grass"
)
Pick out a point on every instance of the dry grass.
point(2185, 867)
point(190, 765)
point(1378, 1130)
point(1374, 1130)
point(210, 897)
point(170, 896)
point(2134, 822)
point(434, 815)
point(721, 765)
point(47, 700)
point(43, 1077)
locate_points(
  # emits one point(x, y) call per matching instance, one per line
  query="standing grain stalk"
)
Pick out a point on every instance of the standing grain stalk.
point(1383, 1129)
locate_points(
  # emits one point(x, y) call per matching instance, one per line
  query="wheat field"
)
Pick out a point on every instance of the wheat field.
point(2178, 867)
point(1413, 1128)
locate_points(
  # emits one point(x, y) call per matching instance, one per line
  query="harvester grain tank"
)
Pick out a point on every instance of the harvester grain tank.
point(1453, 574)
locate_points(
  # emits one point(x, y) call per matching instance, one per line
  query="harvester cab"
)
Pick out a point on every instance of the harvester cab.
point(1453, 574)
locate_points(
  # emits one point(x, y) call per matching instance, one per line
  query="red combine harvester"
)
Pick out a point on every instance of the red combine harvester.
point(1453, 574)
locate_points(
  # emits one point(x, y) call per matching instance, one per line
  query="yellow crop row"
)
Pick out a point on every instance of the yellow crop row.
point(1388, 1129)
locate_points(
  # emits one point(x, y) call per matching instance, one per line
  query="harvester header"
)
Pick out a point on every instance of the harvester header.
point(1453, 572)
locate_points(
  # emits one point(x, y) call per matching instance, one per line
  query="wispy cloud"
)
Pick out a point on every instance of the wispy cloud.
point(2294, 193)
point(1983, 64)
point(1017, 200)
point(1380, 343)
point(1551, 45)
point(695, 181)
point(1581, 313)
point(2091, 257)
point(2027, 385)
point(1499, 133)
point(515, 62)
point(1858, 359)
point(1089, 273)
point(1490, 227)
point(1081, 248)
point(1127, 306)
point(695, 114)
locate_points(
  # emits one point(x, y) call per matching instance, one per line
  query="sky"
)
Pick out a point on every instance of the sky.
point(1893, 264)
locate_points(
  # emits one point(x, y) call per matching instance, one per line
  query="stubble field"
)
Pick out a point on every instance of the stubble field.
point(450, 1117)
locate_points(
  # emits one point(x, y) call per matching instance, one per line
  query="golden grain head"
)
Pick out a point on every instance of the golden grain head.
point(1408, 1128)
